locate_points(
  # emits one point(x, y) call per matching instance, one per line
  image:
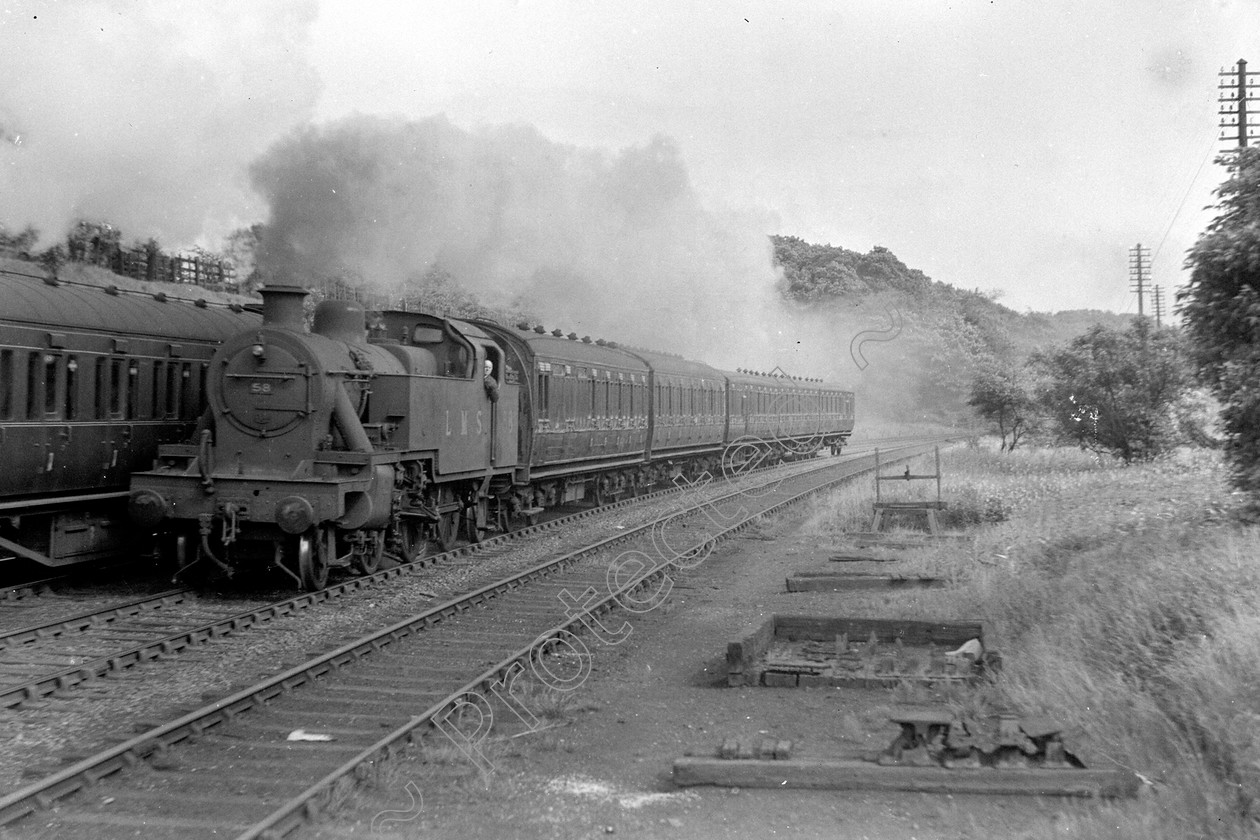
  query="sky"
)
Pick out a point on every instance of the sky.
point(1003, 146)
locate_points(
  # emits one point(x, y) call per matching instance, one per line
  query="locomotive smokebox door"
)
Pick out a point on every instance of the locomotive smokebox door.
point(274, 388)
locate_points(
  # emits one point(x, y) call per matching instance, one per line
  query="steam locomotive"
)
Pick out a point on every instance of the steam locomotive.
point(92, 381)
point(362, 437)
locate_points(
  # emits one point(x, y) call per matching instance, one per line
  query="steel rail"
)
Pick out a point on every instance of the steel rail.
point(303, 807)
point(92, 619)
point(43, 793)
point(46, 684)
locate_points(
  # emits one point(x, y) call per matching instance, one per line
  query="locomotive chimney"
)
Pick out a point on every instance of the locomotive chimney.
point(282, 306)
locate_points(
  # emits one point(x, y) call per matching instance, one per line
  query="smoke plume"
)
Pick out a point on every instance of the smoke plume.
point(612, 245)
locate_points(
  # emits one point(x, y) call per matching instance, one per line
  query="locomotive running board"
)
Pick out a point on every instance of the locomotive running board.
point(61, 501)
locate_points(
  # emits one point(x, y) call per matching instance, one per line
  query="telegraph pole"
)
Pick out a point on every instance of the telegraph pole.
point(1139, 272)
point(1159, 305)
point(1236, 92)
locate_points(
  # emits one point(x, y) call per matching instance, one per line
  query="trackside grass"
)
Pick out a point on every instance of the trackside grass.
point(1126, 603)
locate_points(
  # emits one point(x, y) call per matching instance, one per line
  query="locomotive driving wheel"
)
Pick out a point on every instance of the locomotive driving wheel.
point(311, 549)
point(445, 529)
point(410, 536)
point(368, 558)
point(475, 523)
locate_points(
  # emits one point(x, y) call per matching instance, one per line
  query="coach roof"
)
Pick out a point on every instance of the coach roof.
point(39, 304)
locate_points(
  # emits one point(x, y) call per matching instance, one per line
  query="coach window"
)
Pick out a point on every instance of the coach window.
point(188, 408)
point(172, 389)
point(117, 386)
point(559, 399)
point(6, 384)
point(568, 386)
point(133, 390)
point(34, 369)
point(157, 389)
point(544, 391)
point(102, 388)
point(72, 388)
point(559, 402)
point(52, 373)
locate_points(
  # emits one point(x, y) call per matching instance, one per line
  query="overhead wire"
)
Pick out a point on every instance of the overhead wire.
point(1243, 38)
point(1131, 296)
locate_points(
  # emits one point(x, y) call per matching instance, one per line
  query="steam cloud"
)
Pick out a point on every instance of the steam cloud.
point(614, 245)
point(145, 114)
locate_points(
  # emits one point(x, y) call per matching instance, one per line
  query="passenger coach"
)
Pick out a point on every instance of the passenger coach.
point(92, 380)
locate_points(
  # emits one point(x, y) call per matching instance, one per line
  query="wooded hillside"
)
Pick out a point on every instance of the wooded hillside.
point(946, 332)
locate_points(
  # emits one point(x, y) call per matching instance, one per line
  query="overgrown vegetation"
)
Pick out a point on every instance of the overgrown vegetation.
point(1115, 392)
point(1123, 600)
point(1001, 394)
point(101, 244)
point(1221, 310)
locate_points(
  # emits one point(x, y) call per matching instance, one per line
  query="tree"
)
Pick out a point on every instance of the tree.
point(1221, 310)
point(1001, 396)
point(53, 259)
point(21, 243)
point(1117, 392)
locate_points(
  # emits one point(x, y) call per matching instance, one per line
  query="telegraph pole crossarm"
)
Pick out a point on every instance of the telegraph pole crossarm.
point(1238, 90)
point(1139, 272)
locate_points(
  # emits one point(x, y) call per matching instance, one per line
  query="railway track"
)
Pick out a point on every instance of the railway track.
point(228, 767)
point(75, 646)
